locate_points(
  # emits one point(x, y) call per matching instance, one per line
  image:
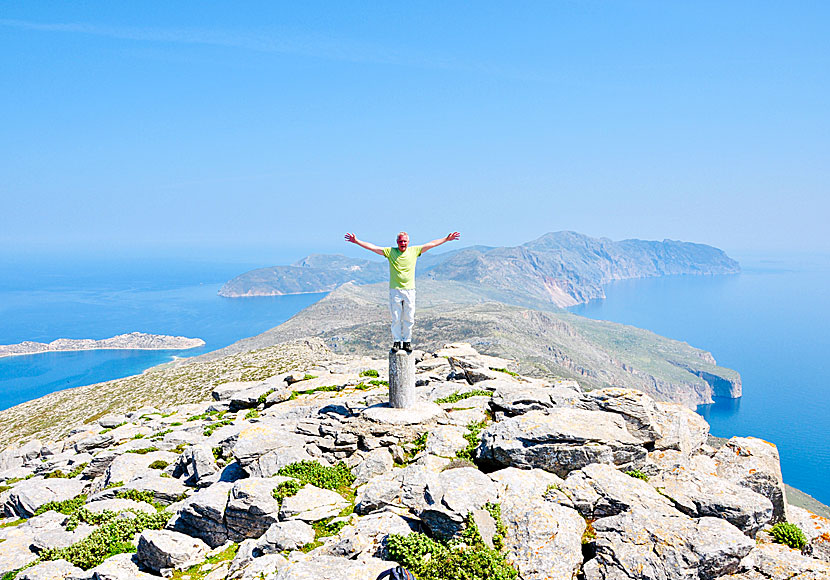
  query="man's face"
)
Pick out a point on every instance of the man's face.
point(403, 242)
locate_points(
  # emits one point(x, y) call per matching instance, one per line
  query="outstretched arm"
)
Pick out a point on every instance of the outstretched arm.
point(371, 247)
point(439, 241)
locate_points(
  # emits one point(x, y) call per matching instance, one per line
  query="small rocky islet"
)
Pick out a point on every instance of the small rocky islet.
point(304, 474)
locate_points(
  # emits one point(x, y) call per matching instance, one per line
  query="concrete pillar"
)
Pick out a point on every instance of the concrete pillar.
point(401, 379)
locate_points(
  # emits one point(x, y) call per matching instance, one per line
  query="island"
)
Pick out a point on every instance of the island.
point(130, 341)
point(559, 268)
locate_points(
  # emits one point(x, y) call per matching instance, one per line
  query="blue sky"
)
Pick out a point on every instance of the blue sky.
point(270, 129)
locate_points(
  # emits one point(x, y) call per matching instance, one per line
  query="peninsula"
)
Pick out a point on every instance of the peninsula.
point(559, 268)
point(130, 341)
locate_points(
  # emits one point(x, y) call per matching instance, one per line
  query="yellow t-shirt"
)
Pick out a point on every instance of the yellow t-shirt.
point(402, 266)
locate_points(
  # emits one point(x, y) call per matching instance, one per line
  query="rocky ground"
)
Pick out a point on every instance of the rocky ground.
point(306, 474)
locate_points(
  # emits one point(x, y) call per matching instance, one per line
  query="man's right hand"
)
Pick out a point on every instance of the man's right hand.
point(351, 238)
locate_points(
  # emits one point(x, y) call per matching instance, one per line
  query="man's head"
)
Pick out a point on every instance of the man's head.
point(403, 241)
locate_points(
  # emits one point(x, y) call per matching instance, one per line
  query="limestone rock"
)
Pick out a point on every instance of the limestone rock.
point(543, 539)
point(561, 440)
point(251, 507)
point(376, 462)
point(118, 505)
point(166, 490)
point(52, 570)
point(129, 466)
point(332, 568)
point(645, 544)
point(513, 484)
point(60, 538)
point(446, 440)
point(312, 504)
point(118, 567)
point(680, 428)
point(202, 515)
point(27, 496)
point(258, 439)
point(699, 494)
point(290, 535)
point(195, 465)
point(457, 493)
point(225, 391)
point(599, 490)
point(754, 463)
point(367, 535)
point(774, 561)
point(816, 529)
point(161, 549)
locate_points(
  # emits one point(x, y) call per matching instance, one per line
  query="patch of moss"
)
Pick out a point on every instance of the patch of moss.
point(143, 450)
point(637, 474)
point(158, 464)
point(338, 478)
point(369, 373)
point(209, 429)
point(473, 437)
point(504, 370)
point(252, 414)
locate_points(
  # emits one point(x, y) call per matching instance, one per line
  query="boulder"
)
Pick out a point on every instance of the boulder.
point(260, 438)
point(225, 391)
point(129, 466)
point(202, 515)
point(323, 567)
point(560, 441)
point(266, 566)
point(250, 397)
point(816, 529)
point(166, 490)
point(165, 549)
point(15, 548)
point(699, 494)
point(196, 465)
point(376, 462)
point(270, 463)
point(312, 504)
point(60, 538)
point(774, 561)
point(446, 440)
point(544, 540)
point(366, 536)
point(513, 484)
point(599, 490)
point(118, 567)
point(679, 428)
point(251, 507)
point(511, 398)
point(27, 496)
point(457, 492)
point(754, 464)
point(52, 570)
point(290, 535)
point(111, 420)
point(645, 544)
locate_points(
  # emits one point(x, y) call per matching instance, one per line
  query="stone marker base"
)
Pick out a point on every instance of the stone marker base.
point(421, 412)
point(402, 379)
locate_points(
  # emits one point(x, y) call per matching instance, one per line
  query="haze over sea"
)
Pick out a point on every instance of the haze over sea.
point(769, 323)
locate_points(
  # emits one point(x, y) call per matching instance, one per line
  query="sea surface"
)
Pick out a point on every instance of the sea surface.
point(770, 323)
point(45, 299)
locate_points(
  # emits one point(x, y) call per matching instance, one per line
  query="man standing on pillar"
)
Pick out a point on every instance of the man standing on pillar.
point(402, 282)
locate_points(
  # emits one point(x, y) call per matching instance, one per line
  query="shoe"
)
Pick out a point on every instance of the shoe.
point(407, 346)
point(396, 346)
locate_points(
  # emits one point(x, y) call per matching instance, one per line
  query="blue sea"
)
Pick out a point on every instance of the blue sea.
point(771, 324)
point(47, 298)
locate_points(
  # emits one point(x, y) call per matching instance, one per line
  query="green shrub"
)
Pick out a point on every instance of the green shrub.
point(158, 464)
point(262, 398)
point(789, 535)
point(209, 429)
point(143, 450)
point(114, 484)
point(473, 437)
point(637, 474)
point(286, 489)
point(369, 373)
point(468, 559)
point(504, 370)
point(110, 539)
point(308, 377)
point(139, 495)
point(494, 509)
point(456, 396)
point(378, 383)
point(160, 434)
point(66, 507)
point(252, 414)
point(337, 478)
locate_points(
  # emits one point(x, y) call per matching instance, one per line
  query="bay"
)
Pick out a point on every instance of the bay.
point(770, 323)
point(74, 297)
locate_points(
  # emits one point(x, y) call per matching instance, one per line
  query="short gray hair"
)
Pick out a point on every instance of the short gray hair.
point(402, 234)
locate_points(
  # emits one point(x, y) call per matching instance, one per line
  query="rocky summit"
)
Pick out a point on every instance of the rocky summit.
point(299, 475)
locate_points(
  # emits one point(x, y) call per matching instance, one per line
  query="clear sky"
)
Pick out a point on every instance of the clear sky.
point(273, 128)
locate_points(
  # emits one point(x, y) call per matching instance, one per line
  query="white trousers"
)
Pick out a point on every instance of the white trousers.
point(402, 307)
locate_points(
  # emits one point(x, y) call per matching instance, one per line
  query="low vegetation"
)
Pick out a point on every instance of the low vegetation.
point(637, 474)
point(789, 535)
point(457, 396)
point(473, 437)
point(337, 478)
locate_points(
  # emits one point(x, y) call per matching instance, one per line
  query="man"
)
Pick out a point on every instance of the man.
point(402, 282)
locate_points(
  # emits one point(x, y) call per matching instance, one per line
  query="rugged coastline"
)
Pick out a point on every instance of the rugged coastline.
point(130, 341)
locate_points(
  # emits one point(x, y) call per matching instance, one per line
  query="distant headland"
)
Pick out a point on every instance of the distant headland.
point(130, 341)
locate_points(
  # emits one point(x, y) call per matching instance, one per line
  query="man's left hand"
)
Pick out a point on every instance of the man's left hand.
point(453, 236)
